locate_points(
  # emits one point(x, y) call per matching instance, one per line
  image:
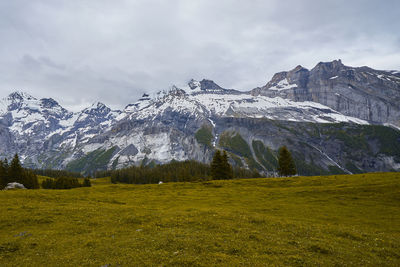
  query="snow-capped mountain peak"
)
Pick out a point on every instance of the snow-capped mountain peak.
point(20, 96)
point(21, 105)
point(97, 108)
point(142, 102)
point(16, 100)
point(210, 85)
point(49, 103)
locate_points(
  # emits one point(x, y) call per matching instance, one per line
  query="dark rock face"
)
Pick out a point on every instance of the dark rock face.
point(323, 148)
point(130, 150)
point(49, 103)
point(363, 92)
point(209, 85)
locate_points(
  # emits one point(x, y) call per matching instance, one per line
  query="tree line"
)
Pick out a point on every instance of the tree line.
point(65, 183)
point(14, 172)
point(181, 171)
point(190, 170)
point(174, 171)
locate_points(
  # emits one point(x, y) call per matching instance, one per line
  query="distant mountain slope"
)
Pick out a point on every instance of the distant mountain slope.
point(364, 93)
point(318, 114)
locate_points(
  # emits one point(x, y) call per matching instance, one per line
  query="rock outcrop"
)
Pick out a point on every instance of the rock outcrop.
point(362, 92)
point(14, 185)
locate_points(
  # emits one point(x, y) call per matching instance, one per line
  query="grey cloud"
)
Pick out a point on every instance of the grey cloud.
point(79, 52)
point(32, 63)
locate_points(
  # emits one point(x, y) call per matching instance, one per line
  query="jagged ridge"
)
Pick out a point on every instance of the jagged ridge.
point(362, 92)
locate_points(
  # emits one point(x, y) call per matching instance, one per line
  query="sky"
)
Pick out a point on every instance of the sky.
point(82, 51)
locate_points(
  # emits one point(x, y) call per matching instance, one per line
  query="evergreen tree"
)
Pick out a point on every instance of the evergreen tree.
point(226, 167)
point(3, 174)
point(114, 177)
point(15, 171)
point(86, 182)
point(286, 165)
point(61, 183)
point(5, 162)
point(64, 183)
point(255, 174)
point(217, 166)
point(30, 180)
point(48, 184)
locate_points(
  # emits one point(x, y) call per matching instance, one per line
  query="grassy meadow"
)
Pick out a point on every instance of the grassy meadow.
point(346, 220)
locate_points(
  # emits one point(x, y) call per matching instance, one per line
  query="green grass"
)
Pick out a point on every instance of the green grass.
point(204, 136)
point(359, 137)
point(265, 155)
point(234, 142)
point(93, 161)
point(42, 178)
point(338, 220)
point(307, 168)
point(388, 138)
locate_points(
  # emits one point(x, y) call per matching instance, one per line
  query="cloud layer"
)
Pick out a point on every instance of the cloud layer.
point(79, 52)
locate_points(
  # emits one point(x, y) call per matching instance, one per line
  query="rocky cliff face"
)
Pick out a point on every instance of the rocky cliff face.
point(316, 148)
point(300, 109)
point(362, 92)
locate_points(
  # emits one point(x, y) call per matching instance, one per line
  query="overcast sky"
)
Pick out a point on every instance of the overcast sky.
point(82, 51)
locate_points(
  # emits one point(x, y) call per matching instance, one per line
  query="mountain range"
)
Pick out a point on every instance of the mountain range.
point(334, 118)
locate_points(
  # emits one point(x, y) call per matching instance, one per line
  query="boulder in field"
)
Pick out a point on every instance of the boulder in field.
point(14, 185)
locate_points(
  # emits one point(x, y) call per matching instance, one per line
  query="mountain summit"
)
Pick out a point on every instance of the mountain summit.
point(364, 93)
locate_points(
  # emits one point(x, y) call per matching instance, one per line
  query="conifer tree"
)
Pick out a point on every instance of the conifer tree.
point(48, 184)
point(286, 166)
point(30, 180)
point(217, 166)
point(6, 174)
point(15, 171)
point(226, 167)
point(3, 175)
point(86, 182)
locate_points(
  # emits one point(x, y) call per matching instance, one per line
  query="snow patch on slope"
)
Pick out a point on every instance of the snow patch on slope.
point(283, 85)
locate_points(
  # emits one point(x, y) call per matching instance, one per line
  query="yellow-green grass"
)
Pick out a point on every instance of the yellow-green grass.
point(100, 181)
point(302, 221)
point(42, 178)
